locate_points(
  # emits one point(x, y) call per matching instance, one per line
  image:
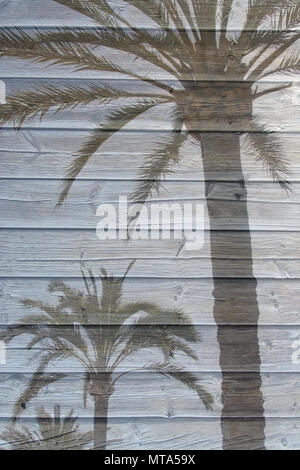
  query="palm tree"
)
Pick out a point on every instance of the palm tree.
point(100, 332)
point(214, 72)
point(54, 433)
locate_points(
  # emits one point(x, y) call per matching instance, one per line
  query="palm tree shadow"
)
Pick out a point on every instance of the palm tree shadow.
point(53, 433)
point(215, 72)
point(100, 331)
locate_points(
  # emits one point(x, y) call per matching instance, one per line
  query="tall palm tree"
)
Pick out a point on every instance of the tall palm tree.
point(214, 74)
point(54, 433)
point(101, 331)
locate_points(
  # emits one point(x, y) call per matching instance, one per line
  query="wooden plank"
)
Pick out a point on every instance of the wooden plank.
point(32, 203)
point(150, 396)
point(25, 68)
point(166, 268)
point(79, 245)
point(277, 351)
point(49, 13)
point(182, 434)
point(51, 252)
point(277, 298)
point(44, 154)
point(160, 118)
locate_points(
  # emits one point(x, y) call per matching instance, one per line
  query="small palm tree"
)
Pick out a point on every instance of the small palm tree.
point(100, 332)
point(54, 433)
point(215, 74)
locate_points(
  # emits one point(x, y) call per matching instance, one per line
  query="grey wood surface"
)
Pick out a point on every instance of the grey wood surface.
point(277, 348)
point(39, 243)
point(278, 298)
point(152, 396)
point(50, 13)
point(39, 153)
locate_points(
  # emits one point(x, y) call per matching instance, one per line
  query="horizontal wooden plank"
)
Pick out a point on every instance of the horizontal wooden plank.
point(45, 154)
point(278, 299)
point(277, 351)
point(25, 68)
point(52, 253)
point(78, 245)
point(51, 13)
point(160, 118)
point(151, 396)
point(180, 434)
point(32, 203)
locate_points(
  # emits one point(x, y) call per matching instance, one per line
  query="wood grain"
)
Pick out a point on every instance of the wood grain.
point(278, 299)
point(32, 203)
point(160, 118)
point(151, 396)
point(45, 154)
point(49, 13)
point(277, 351)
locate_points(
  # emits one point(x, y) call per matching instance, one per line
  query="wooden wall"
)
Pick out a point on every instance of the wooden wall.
point(40, 242)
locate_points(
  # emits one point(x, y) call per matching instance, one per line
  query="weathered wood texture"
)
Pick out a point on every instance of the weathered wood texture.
point(39, 153)
point(277, 345)
point(200, 434)
point(48, 13)
point(278, 299)
point(152, 396)
point(39, 242)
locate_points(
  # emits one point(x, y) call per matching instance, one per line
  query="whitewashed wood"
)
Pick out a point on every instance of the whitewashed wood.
point(150, 396)
point(278, 299)
point(167, 268)
point(52, 253)
point(160, 118)
point(79, 245)
point(32, 203)
point(45, 154)
point(277, 352)
point(28, 69)
point(181, 434)
point(49, 13)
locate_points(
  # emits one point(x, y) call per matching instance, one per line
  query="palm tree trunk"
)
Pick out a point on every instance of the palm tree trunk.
point(243, 412)
point(101, 392)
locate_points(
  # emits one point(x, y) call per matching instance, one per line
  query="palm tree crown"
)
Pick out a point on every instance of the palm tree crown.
point(192, 43)
point(101, 331)
point(53, 433)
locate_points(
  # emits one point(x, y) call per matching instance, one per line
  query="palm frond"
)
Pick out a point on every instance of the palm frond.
point(136, 42)
point(153, 314)
point(38, 381)
point(29, 104)
point(53, 433)
point(113, 123)
point(266, 148)
point(98, 10)
point(260, 11)
point(187, 378)
point(156, 166)
point(290, 64)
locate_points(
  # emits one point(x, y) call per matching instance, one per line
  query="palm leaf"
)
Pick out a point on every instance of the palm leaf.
point(29, 104)
point(156, 166)
point(188, 379)
point(38, 381)
point(98, 10)
point(266, 148)
point(113, 123)
point(53, 433)
point(290, 64)
point(133, 41)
